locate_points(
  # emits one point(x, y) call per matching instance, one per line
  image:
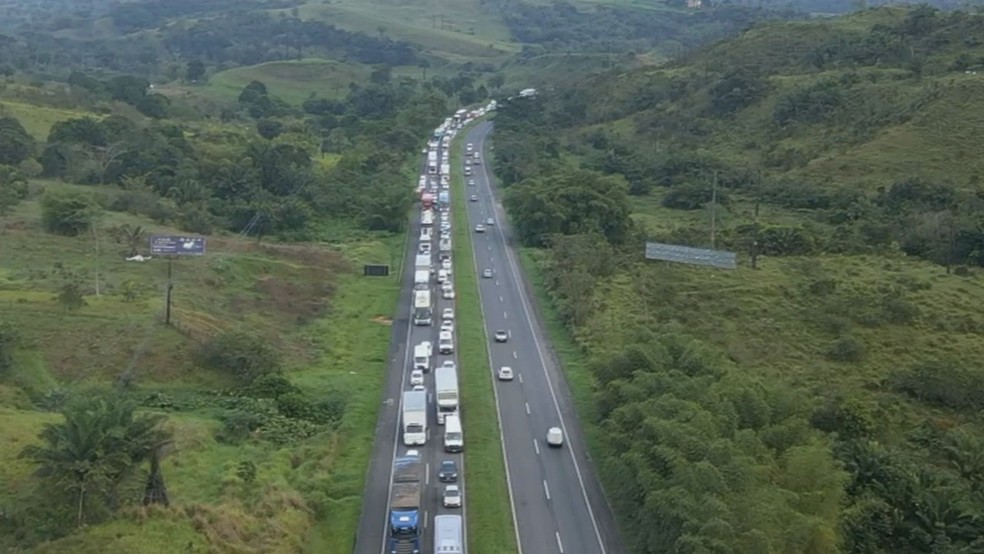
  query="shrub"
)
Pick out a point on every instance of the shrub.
point(847, 349)
point(942, 384)
point(243, 356)
point(9, 340)
point(68, 213)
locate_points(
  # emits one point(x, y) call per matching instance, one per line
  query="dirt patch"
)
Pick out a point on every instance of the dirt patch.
point(300, 300)
point(382, 320)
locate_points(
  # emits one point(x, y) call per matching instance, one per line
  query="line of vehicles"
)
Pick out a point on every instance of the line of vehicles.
point(433, 284)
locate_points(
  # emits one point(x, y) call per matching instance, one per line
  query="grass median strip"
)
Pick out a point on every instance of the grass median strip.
point(490, 524)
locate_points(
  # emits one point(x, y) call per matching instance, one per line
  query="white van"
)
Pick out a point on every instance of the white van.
point(442, 276)
point(454, 439)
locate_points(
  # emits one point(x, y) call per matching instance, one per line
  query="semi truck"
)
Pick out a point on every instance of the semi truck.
point(446, 390)
point(414, 417)
point(405, 506)
point(422, 307)
point(422, 262)
point(448, 536)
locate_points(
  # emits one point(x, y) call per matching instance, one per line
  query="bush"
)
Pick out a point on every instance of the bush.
point(9, 340)
point(942, 384)
point(68, 213)
point(847, 349)
point(243, 356)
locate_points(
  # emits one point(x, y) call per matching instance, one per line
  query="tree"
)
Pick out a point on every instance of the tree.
point(95, 450)
point(9, 341)
point(195, 71)
point(70, 297)
point(13, 188)
point(269, 128)
point(570, 202)
point(16, 144)
point(68, 213)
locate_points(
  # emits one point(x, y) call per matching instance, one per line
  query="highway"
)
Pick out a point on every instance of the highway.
point(558, 504)
point(373, 531)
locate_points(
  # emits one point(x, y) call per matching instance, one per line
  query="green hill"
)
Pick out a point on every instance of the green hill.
point(824, 394)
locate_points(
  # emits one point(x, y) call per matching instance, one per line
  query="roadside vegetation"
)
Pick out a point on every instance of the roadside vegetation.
point(490, 522)
point(820, 397)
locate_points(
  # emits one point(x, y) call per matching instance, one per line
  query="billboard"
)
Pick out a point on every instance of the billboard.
point(177, 245)
point(693, 256)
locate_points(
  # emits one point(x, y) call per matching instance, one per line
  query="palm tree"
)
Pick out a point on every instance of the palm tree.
point(98, 447)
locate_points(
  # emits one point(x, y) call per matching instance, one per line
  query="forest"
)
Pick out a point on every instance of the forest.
point(820, 397)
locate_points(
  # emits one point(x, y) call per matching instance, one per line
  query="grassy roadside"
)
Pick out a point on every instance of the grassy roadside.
point(361, 317)
point(490, 524)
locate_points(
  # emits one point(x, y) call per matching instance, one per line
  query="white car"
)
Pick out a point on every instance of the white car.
point(555, 437)
point(452, 496)
point(419, 388)
point(414, 453)
point(490, 222)
point(487, 274)
point(449, 364)
point(448, 313)
point(501, 336)
point(505, 373)
point(447, 325)
point(447, 294)
point(471, 182)
point(416, 377)
point(474, 198)
point(446, 264)
point(480, 228)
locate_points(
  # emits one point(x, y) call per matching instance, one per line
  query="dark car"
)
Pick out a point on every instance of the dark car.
point(448, 472)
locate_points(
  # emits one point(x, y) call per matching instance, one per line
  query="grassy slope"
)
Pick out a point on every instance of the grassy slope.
point(467, 34)
point(37, 120)
point(292, 81)
point(262, 288)
point(490, 524)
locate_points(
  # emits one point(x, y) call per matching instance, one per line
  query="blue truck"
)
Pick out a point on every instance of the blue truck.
point(404, 512)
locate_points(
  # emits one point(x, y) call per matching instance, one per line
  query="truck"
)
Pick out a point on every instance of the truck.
point(448, 536)
point(414, 417)
point(432, 162)
point(427, 200)
point(422, 262)
point(422, 356)
point(421, 279)
point(445, 245)
point(427, 218)
point(454, 438)
point(404, 514)
point(422, 307)
point(446, 389)
point(445, 168)
point(443, 198)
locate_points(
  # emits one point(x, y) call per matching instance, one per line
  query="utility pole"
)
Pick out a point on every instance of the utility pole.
point(755, 237)
point(714, 194)
point(167, 294)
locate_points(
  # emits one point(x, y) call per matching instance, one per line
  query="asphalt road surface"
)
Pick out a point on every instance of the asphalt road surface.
point(373, 532)
point(558, 504)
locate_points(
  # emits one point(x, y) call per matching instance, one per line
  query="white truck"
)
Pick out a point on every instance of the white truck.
point(448, 535)
point(422, 356)
point(414, 418)
point(423, 309)
point(444, 245)
point(446, 390)
point(454, 438)
point(421, 279)
point(427, 218)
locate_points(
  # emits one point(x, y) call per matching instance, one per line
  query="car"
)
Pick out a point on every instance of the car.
point(449, 364)
point(447, 294)
point(505, 373)
point(487, 274)
point(490, 221)
point(448, 313)
point(419, 388)
point(474, 198)
point(447, 472)
point(469, 147)
point(416, 377)
point(413, 453)
point(447, 325)
point(471, 182)
point(446, 264)
point(452, 496)
point(477, 160)
point(555, 437)
point(501, 336)
point(480, 228)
